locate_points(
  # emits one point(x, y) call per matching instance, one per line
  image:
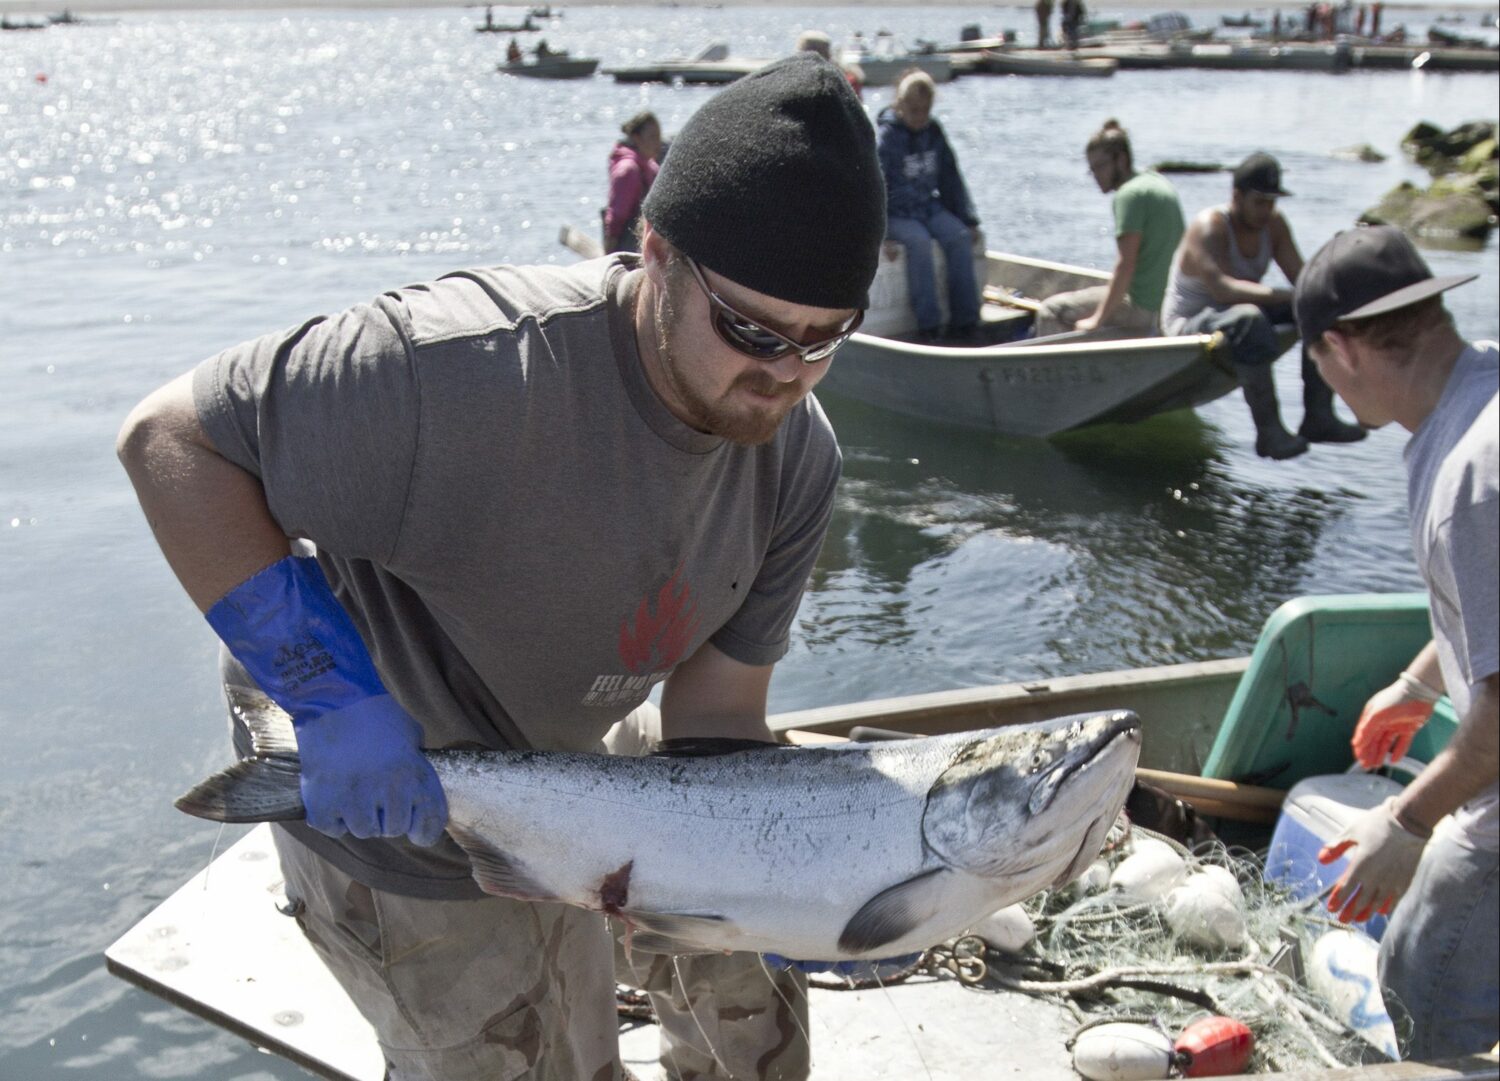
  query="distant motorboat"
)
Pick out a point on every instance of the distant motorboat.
point(490, 26)
point(1045, 62)
point(713, 66)
point(1449, 39)
point(883, 63)
point(555, 66)
point(67, 18)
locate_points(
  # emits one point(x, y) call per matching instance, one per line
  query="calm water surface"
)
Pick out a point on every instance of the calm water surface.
point(178, 184)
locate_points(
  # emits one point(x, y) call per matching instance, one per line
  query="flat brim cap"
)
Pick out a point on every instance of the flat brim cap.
point(1260, 173)
point(1362, 273)
point(774, 183)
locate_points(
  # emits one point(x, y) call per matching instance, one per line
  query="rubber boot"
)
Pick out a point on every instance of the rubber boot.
point(1320, 424)
point(1272, 440)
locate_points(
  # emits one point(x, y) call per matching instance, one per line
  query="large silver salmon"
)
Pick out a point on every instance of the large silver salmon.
point(836, 852)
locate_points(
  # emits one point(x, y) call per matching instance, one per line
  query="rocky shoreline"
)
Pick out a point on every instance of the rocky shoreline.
point(1463, 201)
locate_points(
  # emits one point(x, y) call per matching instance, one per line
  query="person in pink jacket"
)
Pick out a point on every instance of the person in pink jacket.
point(632, 168)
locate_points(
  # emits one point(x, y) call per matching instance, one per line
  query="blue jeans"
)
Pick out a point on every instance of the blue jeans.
point(957, 241)
point(1249, 329)
point(1439, 958)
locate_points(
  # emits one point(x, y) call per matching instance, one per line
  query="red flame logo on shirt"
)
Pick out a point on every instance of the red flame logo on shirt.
point(657, 642)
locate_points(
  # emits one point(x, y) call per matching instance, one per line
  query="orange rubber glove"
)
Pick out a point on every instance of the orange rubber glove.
point(1391, 719)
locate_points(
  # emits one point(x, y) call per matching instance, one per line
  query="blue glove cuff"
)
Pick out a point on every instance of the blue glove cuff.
point(295, 639)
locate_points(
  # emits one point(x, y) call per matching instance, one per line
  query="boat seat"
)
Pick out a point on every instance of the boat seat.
point(1316, 663)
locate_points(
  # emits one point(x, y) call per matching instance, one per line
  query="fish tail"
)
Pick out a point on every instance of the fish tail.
point(252, 790)
point(264, 787)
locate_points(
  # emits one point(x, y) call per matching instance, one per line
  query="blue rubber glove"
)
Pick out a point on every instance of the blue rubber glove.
point(886, 966)
point(363, 771)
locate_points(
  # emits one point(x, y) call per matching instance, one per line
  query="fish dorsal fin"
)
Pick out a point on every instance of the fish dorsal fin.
point(894, 912)
point(269, 726)
point(498, 872)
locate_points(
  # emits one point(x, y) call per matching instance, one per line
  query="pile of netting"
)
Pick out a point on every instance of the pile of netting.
point(1155, 934)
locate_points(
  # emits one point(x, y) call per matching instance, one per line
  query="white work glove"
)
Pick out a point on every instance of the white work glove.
point(1384, 859)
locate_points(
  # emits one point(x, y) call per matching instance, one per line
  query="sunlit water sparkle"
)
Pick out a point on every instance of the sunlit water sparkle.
point(180, 183)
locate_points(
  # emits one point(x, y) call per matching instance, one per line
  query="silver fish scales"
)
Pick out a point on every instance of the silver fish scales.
point(834, 852)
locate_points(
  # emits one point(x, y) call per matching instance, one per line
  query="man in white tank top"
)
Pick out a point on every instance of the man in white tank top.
point(1215, 285)
point(1373, 319)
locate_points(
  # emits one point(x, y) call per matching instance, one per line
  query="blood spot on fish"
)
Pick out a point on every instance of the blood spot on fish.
point(614, 891)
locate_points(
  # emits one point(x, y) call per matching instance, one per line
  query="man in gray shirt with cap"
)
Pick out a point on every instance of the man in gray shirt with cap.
point(534, 493)
point(1373, 319)
point(1215, 285)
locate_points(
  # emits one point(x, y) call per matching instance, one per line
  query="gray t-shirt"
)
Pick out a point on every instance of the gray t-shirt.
point(1453, 488)
point(525, 536)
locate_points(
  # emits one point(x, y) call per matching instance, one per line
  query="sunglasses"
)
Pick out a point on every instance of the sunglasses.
point(745, 335)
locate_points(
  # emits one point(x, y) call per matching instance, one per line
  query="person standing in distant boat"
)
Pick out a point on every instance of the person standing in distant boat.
point(633, 167)
point(1073, 14)
point(1043, 23)
point(1148, 226)
point(1215, 285)
point(1373, 318)
point(513, 52)
point(926, 201)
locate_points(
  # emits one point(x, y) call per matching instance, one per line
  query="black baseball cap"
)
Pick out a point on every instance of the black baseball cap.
point(1361, 273)
point(1259, 173)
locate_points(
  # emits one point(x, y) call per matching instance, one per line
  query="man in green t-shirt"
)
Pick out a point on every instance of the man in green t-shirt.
point(1148, 225)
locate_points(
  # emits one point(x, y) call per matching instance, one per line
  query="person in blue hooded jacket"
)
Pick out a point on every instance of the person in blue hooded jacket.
point(927, 200)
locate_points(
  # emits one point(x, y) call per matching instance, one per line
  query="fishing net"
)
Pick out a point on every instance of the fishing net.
point(1106, 958)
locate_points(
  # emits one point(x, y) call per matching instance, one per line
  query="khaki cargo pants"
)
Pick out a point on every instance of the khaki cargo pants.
point(1059, 313)
point(501, 990)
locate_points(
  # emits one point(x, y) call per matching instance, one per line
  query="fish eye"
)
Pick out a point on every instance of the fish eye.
point(1038, 760)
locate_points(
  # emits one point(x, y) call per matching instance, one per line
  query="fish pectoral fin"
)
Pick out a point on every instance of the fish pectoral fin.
point(651, 942)
point(894, 912)
point(689, 926)
point(498, 872)
point(675, 932)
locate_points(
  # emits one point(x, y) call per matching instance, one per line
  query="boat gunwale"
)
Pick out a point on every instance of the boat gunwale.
point(1197, 345)
point(839, 718)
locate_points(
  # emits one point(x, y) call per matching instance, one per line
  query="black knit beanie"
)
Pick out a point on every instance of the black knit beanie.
point(774, 184)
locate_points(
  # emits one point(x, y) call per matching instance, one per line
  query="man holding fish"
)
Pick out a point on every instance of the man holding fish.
point(1373, 319)
point(533, 493)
